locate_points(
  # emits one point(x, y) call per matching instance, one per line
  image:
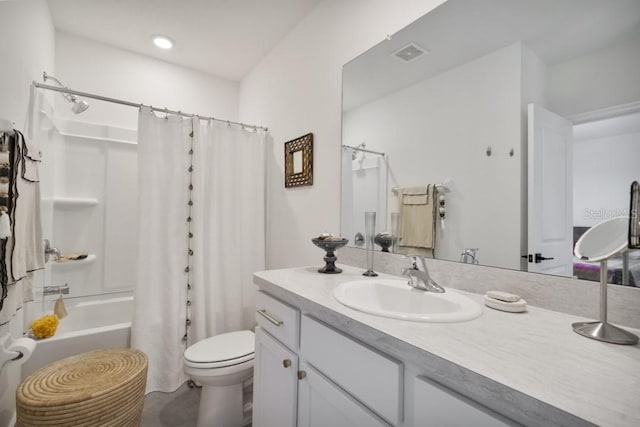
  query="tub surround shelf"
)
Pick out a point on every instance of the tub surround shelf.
point(530, 367)
point(73, 202)
point(64, 264)
point(101, 139)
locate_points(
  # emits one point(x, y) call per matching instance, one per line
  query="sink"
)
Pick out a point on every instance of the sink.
point(395, 299)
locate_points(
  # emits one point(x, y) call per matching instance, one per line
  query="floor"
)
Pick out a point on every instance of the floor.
point(177, 409)
point(180, 408)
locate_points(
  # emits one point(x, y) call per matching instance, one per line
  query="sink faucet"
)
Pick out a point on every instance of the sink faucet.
point(418, 278)
point(469, 256)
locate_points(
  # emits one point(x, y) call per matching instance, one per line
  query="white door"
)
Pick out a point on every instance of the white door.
point(323, 404)
point(274, 383)
point(550, 193)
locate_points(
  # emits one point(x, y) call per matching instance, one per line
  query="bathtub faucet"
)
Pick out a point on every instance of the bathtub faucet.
point(55, 290)
point(50, 250)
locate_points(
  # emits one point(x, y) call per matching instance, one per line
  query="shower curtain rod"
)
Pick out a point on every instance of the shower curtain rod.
point(364, 150)
point(139, 105)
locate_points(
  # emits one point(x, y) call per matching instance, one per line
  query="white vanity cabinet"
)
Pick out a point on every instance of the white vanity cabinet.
point(275, 371)
point(437, 406)
point(322, 403)
point(309, 374)
point(275, 383)
point(373, 378)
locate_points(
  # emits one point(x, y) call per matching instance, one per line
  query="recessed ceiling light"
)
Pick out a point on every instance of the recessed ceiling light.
point(162, 42)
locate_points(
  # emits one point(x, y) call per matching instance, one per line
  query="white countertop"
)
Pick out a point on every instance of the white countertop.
point(535, 353)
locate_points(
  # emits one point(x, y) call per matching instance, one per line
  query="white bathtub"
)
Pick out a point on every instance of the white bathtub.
point(92, 324)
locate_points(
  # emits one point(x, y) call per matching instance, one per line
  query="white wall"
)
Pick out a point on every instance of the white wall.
point(600, 79)
point(97, 68)
point(439, 129)
point(26, 48)
point(363, 189)
point(605, 163)
point(297, 89)
point(92, 166)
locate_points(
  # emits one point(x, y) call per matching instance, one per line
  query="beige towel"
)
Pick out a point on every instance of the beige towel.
point(418, 220)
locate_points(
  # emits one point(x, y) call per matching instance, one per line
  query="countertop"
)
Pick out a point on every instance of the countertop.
point(529, 366)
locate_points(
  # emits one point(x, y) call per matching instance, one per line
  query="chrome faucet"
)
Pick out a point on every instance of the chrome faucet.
point(469, 256)
point(49, 250)
point(418, 278)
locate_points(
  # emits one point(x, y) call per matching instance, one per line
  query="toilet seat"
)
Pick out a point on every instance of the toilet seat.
point(221, 351)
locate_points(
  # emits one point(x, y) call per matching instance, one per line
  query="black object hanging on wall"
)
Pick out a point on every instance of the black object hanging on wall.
point(634, 217)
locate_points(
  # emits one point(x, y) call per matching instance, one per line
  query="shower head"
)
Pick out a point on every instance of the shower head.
point(78, 106)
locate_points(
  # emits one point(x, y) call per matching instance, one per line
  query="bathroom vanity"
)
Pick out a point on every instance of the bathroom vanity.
point(321, 363)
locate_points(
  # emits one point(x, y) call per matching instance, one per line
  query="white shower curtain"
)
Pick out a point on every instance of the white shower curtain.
point(227, 243)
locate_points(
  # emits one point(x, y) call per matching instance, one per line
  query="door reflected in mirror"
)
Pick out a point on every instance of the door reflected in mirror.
point(434, 116)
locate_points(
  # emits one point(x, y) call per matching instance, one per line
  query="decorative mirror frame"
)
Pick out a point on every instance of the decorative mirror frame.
point(305, 177)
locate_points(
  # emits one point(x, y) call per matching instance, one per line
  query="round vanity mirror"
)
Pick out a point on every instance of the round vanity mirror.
point(603, 240)
point(599, 243)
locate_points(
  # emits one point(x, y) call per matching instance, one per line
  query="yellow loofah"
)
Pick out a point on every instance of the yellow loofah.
point(45, 326)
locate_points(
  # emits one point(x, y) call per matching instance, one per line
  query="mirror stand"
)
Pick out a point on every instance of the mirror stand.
point(602, 330)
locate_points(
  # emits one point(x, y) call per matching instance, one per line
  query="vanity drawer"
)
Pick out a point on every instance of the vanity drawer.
point(435, 404)
point(375, 379)
point(279, 319)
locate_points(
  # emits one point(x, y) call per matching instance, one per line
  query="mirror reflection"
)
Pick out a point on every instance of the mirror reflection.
point(297, 161)
point(511, 126)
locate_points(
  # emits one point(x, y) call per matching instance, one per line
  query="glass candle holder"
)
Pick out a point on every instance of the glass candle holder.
point(370, 231)
point(395, 231)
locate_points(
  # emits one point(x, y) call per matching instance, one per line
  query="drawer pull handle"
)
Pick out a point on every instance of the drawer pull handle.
point(270, 318)
point(286, 363)
point(301, 375)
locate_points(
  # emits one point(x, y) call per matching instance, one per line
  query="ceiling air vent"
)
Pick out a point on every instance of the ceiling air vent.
point(409, 52)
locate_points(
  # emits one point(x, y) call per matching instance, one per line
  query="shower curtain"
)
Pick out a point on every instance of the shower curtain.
point(202, 235)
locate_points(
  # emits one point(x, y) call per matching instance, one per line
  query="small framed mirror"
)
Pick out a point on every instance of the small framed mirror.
point(298, 161)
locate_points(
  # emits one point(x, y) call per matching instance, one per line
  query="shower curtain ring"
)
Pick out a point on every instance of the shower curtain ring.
point(166, 113)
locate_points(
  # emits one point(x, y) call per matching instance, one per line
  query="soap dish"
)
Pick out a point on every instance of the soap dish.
point(511, 307)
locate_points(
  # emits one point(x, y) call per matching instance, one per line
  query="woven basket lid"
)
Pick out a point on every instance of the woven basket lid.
point(100, 376)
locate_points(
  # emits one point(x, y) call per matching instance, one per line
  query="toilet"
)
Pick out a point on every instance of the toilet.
point(221, 364)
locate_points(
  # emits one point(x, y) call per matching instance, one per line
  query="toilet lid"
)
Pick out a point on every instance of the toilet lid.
point(227, 347)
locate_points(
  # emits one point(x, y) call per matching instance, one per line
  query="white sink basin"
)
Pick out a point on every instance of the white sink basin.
point(397, 300)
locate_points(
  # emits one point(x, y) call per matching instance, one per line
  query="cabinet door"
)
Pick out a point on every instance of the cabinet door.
point(274, 383)
point(438, 406)
point(321, 404)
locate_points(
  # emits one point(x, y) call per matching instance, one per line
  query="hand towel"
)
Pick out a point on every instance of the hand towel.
point(415, 195)
point(417, 217)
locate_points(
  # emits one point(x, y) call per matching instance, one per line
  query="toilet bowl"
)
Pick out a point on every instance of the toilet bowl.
point(221, 364)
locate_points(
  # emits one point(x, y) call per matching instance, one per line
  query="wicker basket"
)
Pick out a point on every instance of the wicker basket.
point(98, 388)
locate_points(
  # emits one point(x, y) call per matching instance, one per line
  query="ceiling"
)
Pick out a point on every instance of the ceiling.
point(461, 30)
point(225, 38)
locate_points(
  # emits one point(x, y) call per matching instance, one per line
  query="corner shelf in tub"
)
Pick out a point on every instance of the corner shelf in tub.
point(66, 264)
point(74, 202)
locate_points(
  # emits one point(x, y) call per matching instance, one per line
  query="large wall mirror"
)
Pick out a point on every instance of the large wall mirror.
point(515, 122)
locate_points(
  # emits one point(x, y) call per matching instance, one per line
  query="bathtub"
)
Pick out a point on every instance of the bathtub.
point(93, 323)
